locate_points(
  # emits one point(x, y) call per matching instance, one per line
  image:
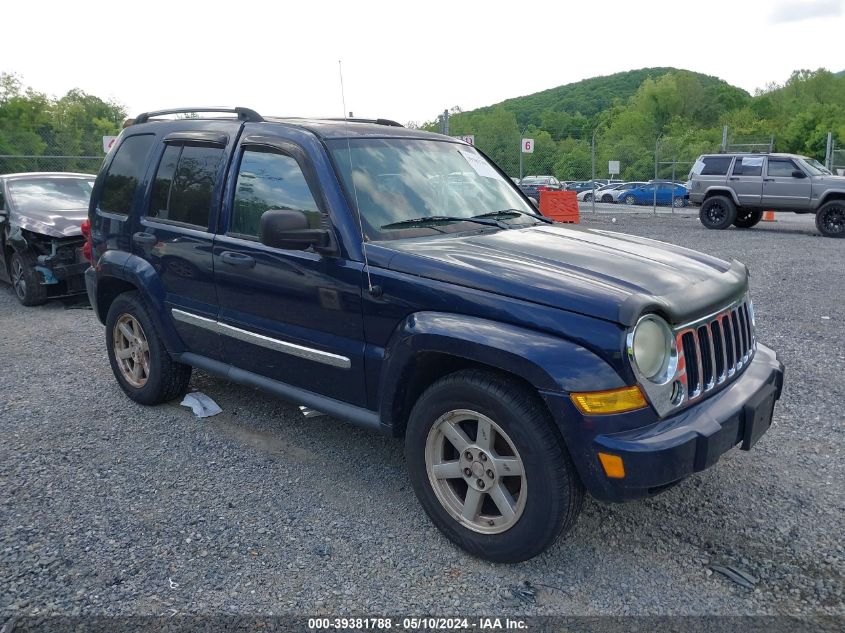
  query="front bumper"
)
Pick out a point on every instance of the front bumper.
point(662, 453)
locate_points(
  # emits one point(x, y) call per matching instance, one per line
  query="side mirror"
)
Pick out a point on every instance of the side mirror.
point(288, 229)
point(534, 202)
point(797, 173)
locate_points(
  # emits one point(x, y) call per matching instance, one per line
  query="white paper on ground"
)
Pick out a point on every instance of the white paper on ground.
point(201, 404)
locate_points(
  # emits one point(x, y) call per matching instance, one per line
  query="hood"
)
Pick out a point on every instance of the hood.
point(836, 182)
point(64, 223)
point(607, 275)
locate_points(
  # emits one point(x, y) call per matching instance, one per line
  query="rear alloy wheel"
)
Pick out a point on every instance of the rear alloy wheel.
point(717, 213)
point(830, 219)
point(26, 280)
point(143, 368)
point(678, 203)
point(588, 197)
point(746, 218)
point(630, 200)
point(488, 467)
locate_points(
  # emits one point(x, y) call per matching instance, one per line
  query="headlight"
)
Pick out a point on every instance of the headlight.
point(652, 350)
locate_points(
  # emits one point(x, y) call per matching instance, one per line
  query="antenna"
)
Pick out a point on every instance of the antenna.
point(370, 286)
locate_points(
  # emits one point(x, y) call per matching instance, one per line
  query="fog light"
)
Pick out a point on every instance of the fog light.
point(613, 466)
point(611, 401)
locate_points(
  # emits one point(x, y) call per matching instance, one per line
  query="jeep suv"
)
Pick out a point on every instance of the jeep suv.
point(343, 266)
point(737, 188)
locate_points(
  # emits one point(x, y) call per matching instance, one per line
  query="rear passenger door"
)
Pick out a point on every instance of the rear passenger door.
point(291, 315)
point(746, 180)
point(174, 233)
point(783, 190)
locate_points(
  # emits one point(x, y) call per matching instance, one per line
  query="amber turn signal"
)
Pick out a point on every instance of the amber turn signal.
point(610, 401)
point(613, 466)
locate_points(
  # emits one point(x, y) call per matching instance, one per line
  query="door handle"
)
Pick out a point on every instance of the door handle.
point(144, 238)
point(237, 259)
point(733, 178)
point(768, 179)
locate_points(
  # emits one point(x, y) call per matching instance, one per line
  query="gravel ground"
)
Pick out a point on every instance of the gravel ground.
point(108, 507)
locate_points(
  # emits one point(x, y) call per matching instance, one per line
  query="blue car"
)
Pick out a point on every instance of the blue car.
point(667, 193)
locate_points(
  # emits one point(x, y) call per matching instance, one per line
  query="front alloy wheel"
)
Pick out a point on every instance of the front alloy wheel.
point(830, 219)
point(480, 481)
point(630, 200)
point(489, 467)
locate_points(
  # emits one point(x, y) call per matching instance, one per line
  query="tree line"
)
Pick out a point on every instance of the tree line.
point(35, 124)
point(678, 113)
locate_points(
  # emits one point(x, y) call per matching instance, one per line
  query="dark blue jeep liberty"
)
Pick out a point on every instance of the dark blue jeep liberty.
point(399, 280)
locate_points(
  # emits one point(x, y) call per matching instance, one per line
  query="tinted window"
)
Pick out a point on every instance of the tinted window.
point(267, 181)
point(716, 165)
point(184, 184)
point(781, 167)
point(748, 166)
point(125, 171)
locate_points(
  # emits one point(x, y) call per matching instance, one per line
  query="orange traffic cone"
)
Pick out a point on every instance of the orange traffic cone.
point(769, 216)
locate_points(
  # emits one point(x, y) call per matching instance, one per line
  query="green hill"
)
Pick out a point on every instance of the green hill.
point(630, 113)
point(591, 96)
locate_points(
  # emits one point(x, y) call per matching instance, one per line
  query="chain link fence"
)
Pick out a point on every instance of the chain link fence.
point(71, 150)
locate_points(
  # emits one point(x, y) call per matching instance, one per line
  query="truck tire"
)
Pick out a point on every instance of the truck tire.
point(746, 218)
point(830, 219)
point(489, 468)
point(26, 281)
point(139, 360)
point(717, 213)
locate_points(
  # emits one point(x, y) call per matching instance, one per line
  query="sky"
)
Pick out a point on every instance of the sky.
point(406, 61)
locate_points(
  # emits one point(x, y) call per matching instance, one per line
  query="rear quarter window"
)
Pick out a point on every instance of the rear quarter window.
point(716, 165)
point(124, 174)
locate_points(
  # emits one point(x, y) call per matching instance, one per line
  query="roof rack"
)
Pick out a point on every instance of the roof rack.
point(244, 114)
point(389, 122)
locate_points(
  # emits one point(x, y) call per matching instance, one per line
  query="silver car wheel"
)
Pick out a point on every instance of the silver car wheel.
point(476, 471)
point(18, 279)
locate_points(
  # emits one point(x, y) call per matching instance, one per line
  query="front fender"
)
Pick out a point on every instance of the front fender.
point(549, 363)
point(138, 272)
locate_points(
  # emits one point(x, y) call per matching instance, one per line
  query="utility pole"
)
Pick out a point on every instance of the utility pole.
point(444, 123)
point(828, 154)
point(724, 139)
point(654, 184)
point(593, 171)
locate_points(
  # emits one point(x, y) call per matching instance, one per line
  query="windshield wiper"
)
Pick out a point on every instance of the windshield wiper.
point(511, 212)
point(439, 219)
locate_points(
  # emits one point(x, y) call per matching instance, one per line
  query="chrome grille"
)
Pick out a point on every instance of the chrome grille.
point(715, 349)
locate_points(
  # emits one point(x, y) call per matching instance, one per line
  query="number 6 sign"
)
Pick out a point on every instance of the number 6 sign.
point(528, 146)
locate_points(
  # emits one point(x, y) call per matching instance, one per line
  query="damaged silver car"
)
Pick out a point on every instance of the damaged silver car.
point(40, 234)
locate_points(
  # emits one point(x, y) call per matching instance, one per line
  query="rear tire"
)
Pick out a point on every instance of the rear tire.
point(630, 200)
point(607, 198)
point(746, 218)
point(717, 213)
point(541, 492)
point(830, 219)
point(26, 281)
point(139, 360)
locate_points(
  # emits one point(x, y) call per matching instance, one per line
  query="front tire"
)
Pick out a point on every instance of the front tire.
point(139, 360)
point(746, 218)
point(26, 281)
point(607, 198)
point(830, 219)
point(630, 200)
point(717, 213)
point(489, 468)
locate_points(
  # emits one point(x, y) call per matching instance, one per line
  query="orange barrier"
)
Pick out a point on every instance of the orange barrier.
point(769, 216)
point(560, 206)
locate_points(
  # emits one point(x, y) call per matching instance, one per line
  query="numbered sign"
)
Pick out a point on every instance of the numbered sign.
point(613, 167)
point(108, 142)
point(528, 146)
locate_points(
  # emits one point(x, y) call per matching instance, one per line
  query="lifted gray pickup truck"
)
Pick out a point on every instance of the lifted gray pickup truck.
point(737, 188)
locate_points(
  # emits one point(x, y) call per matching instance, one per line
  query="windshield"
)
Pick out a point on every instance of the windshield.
point(398, 180)
point(815, 167)
point(58, 193)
